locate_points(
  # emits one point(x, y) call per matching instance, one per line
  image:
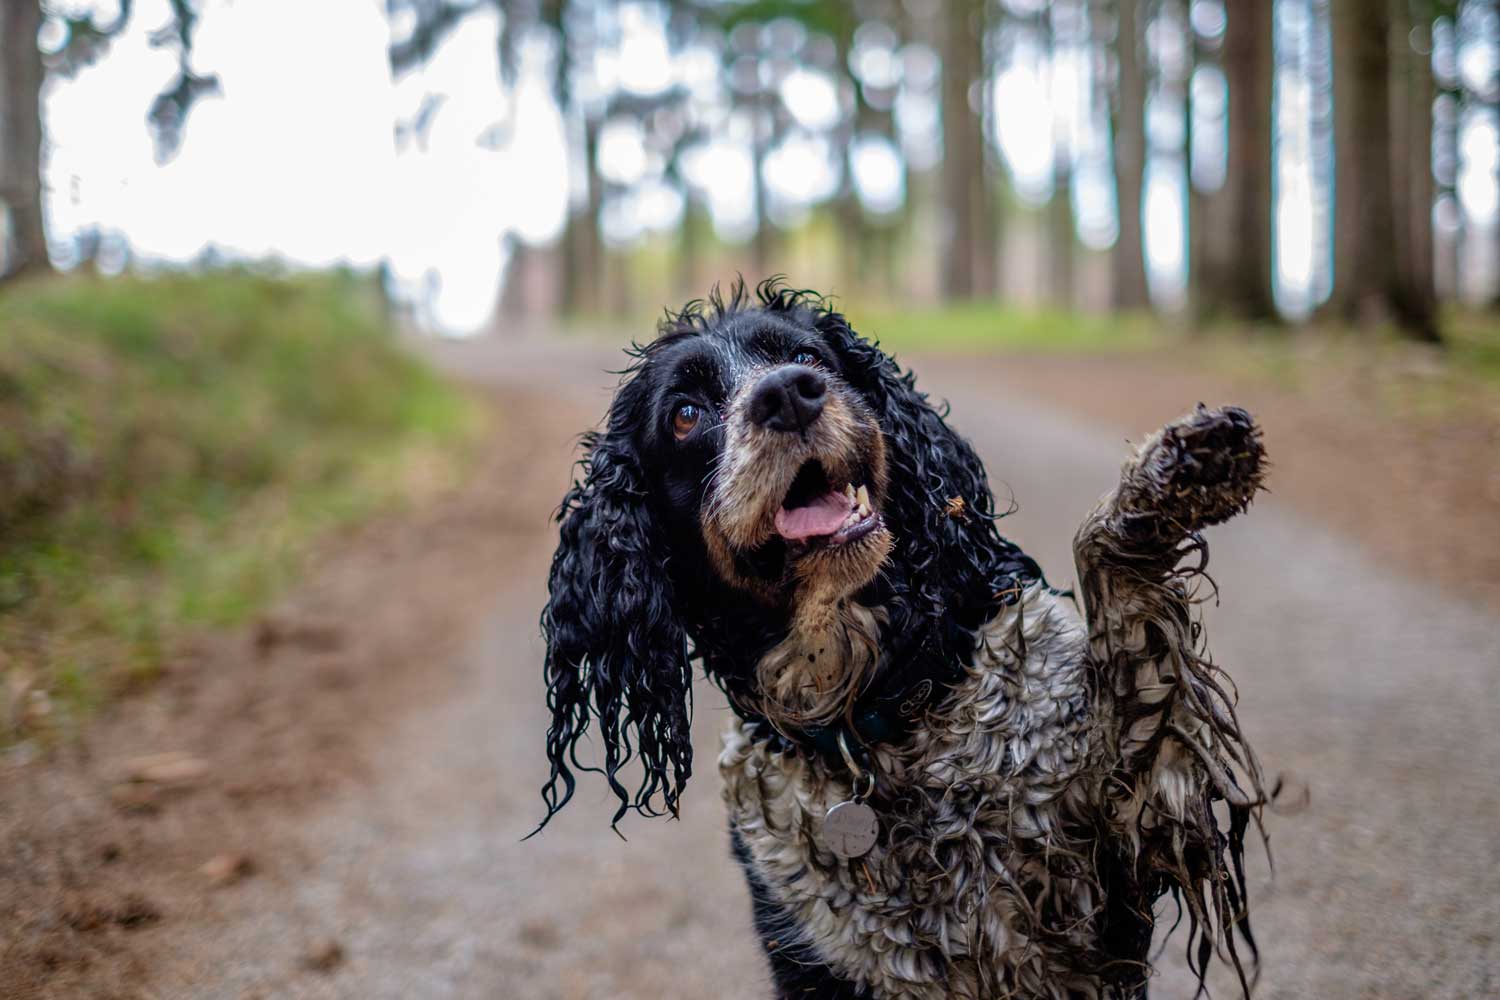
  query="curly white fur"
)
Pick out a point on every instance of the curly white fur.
point(1071, 774)
point(938, 911)
point(986, 884)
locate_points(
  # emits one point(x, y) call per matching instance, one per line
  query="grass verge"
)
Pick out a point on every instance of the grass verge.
point(1386, 372)
point(989, 327)
point(1392, 373)
point(962, 328)
point(171, 447)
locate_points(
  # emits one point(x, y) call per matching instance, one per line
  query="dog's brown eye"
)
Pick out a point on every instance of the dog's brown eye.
point(684, 419)
point(804, 358)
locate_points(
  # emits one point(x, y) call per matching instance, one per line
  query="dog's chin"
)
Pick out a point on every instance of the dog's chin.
point(839, 567)
point(822, 572)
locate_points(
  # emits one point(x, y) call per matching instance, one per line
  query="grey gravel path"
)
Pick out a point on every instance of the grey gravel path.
point(1379, 694)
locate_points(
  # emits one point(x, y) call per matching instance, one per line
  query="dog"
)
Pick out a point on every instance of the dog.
point(943, 778)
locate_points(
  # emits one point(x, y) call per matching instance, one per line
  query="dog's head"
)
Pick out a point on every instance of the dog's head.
point(773, 456)
point(761, 466)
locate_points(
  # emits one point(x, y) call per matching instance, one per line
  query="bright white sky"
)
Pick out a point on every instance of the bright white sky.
point(297, 159)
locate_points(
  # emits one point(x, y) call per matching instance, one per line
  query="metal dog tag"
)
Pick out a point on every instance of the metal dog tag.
point(850, 829)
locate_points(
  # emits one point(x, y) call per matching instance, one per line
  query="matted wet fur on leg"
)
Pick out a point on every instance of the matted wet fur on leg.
point(772, 498)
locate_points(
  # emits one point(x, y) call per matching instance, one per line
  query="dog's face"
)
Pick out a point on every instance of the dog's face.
point(758, 441)
point(762, 463)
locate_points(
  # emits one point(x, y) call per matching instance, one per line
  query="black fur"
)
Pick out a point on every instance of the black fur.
point(636, 599)
point(616, 648)
point(632, 593)
point(796, 969)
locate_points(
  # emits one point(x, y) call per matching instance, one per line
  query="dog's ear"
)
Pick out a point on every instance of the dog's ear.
point(616, 648)
point(939, 502)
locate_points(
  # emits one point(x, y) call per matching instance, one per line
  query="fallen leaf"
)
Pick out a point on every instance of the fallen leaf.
point(325, 956)
point(134, 797)
point(227, 869)
point(173, 768)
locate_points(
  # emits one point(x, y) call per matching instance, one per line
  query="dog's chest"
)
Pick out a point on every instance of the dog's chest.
point(973, 889)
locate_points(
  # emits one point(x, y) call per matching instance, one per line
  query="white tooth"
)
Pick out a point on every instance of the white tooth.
point(863, 511)
point(849, 492)
point(862, 497)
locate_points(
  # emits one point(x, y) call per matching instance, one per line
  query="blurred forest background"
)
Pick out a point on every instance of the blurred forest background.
point(217, 212)
point(1255, 160)
point(271, 555)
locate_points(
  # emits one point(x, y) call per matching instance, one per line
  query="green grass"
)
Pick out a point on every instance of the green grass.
point(963, 328)
point(1474, 343)
point(988, 327)
point(170, 449)
point(1387, 371)
point(1402, 377)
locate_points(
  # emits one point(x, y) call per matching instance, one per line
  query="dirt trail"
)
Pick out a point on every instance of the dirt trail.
point(382, 786)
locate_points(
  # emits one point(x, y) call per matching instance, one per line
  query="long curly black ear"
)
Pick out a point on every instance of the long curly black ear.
point(956, 566)
point(616, 650)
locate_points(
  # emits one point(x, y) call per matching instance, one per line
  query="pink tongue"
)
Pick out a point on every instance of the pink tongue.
point(821, 517)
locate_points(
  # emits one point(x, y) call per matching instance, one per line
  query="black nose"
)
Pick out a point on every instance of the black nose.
point(788, 399)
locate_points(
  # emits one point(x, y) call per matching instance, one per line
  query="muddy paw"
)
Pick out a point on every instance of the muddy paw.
point(1197, 471)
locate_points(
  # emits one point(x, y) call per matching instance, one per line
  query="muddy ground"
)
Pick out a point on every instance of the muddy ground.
point(355, 772)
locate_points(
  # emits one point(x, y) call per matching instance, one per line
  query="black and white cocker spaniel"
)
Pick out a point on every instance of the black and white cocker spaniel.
point(943, 778)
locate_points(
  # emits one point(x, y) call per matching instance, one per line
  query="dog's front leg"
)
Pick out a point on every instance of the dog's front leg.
point(1167, 712)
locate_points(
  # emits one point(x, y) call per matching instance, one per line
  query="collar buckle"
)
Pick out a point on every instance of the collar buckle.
point(854, 770)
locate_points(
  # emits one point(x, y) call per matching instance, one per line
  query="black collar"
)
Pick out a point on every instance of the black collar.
point(908, 682)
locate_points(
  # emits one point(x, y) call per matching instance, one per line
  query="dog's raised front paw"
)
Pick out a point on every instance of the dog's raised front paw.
point(1197, 471)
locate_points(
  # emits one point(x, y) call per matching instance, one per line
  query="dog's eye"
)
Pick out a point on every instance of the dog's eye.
point(684, 419)
point(804, 358)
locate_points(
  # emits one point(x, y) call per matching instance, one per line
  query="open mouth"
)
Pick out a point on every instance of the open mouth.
point(818, 513)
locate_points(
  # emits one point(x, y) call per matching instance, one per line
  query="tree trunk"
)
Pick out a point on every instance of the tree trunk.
point(1202, 271)
point(763, 247)
point(1129, 152)
point(1345, 40)
point(957, 278)
point(1493, 292)
point(852, 238)
point(1245, 290)
point(1416, 190)
point(1060, 240)
point(582, 261)
point(1367, 275)
point(689, 247)
point(590, 243)
point(966, 209)
point(21, 139)
point(1448, 250)
point(1060, 235)
point(847, 212)
point(986, 173)
point(620, 284)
